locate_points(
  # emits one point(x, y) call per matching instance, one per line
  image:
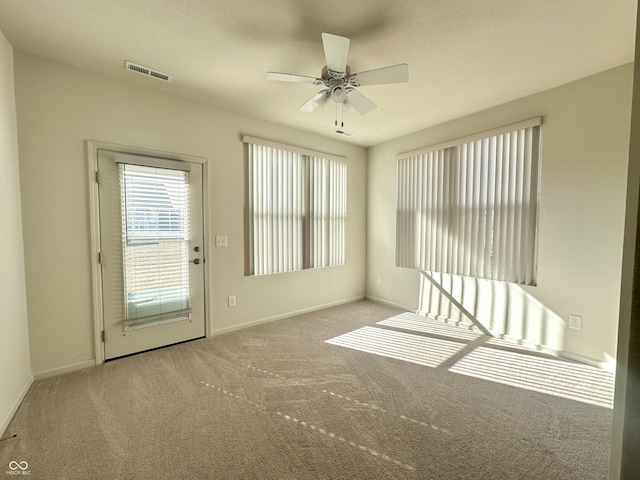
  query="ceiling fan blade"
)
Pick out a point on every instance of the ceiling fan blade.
point(322, 101)
point(378, 76)
point(289, 77)
point(336, 50)
point(318, 100)
point(358, 101)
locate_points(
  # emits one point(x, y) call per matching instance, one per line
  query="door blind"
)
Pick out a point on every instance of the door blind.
point(155, 243)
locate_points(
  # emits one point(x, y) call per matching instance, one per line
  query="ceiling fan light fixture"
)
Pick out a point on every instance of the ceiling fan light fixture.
point(338, 94)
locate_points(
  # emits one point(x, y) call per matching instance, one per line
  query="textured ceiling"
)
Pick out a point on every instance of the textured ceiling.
point(463, 56)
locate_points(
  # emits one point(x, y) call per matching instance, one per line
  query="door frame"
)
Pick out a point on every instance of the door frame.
point(94, 204)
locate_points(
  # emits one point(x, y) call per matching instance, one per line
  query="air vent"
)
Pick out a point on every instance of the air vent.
point(344, 133)
point(142, 70)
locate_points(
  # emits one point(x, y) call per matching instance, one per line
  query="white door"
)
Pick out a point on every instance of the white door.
point(152, 252)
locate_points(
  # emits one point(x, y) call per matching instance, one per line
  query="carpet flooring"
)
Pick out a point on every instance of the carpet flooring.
point(357, 391)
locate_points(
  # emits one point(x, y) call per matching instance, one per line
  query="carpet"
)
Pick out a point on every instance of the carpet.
point(357, 391)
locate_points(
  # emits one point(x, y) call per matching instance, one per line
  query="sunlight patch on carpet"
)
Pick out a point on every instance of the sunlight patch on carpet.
point(312, 428)
point(421, 350)
point(427, 347)
point(561, 378)
point(418, 323)
point(374, 407)
point(332, 435)
point(353, 400)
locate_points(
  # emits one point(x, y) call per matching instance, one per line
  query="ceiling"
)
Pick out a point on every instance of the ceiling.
point(464, 56)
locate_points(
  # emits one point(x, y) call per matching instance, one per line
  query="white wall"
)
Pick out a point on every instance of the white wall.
point(59, 108)
point(15, 366)
point(584, 168)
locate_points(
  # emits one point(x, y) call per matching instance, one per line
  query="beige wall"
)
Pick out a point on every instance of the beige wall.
point(584, 170)
point(585, 135)
point(59, 108)
point(15, 366)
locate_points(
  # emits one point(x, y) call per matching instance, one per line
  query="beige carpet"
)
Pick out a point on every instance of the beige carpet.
point(359, 391)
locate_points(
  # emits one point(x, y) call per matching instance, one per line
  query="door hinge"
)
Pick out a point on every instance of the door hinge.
point(98, 177)
point(103, 336)
point(100, 258)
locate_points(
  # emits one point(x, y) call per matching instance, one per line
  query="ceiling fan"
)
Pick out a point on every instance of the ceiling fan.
point(338, 80)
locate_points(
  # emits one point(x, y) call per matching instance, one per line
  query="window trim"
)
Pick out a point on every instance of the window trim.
point(531, 122)
point(292, 148)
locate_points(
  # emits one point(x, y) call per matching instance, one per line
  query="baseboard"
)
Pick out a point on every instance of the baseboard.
point(90, 363)
point(609, 366)
point(68, 369)
point(16, 404)
point(391, 304)
point(293, 313)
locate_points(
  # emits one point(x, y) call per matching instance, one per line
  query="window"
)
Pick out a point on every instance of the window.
point(297, 208)
point(470, 207)
point(155, 242)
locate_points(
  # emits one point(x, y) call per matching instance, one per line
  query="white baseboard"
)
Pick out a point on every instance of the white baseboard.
point(90, 363)
point(16, 404)
point(391, 304)
point(69, 368)
point(260, 321)
point(609, 366)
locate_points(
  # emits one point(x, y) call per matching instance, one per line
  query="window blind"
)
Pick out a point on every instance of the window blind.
point(297, 208)
point(276, 199)
point(328, 207)
point(471, 207)
point(155, 242)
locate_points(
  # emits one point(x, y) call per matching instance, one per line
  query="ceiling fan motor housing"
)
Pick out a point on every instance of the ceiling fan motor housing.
point(328, 75)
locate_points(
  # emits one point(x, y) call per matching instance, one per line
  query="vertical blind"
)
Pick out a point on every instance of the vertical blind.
point(470, 207)
point(327, 212)
point(297, 208)
point(155, 242)
point(276, 203)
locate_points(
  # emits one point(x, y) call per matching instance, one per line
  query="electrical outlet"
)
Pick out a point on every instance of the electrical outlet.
point(231, 301)
point(575, 322)
point(379, 280)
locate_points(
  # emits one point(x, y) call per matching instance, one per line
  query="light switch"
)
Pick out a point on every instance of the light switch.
point(221, 240)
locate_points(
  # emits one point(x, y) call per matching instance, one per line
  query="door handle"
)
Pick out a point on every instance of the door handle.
point(196, 261)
